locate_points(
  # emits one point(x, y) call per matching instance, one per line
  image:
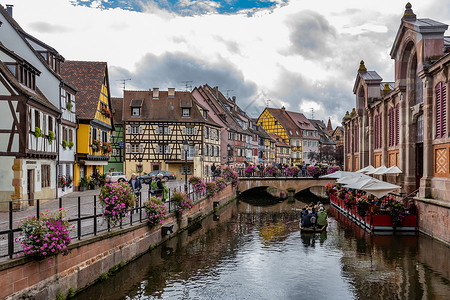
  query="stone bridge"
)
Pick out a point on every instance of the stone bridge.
point(291, 184)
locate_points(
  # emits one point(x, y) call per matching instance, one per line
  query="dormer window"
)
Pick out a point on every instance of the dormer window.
point(135, 111)
point(205, 114)
point(186, 112)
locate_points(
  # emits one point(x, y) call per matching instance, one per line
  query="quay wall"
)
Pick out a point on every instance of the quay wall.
point(93, 257)
point(434, 218)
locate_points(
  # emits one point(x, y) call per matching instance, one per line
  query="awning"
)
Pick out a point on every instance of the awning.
point(353, 178)
point(369, 168)
point(378, 171)
point(95, 163)
point(338, 174)
point(393, 170)
point(378, 188)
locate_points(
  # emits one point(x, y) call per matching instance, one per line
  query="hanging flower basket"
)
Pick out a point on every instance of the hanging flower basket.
point(116, 199)
point(181, 201)
point(197, 184)
point(45, 236)
point(221, 184)
point(156, 211)
point(229, 175)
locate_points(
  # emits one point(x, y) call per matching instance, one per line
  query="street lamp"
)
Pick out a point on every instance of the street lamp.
point(186, 149)
point(228, 154)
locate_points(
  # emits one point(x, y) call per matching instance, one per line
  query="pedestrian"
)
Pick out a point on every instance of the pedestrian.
point(159, 186)
point(135, 184)
point(165, 195)
point(153, 185)
point(108, 179)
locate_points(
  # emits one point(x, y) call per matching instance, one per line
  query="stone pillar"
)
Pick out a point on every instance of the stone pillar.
point(425, 182)
point(363, 141)
point(291, 195)
point(17, 184)
point(408, 138)
point(369, 136)
point(384, 134)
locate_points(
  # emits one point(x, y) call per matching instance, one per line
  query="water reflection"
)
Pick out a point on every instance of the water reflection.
point(251, 252)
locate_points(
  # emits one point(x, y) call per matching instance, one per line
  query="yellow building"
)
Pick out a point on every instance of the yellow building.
point(94, 116)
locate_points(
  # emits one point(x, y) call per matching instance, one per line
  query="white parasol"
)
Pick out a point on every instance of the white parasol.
point(393, 170)
point(369, 168)
point(378, 171)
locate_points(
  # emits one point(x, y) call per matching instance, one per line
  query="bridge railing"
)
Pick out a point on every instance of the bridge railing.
point(282, 173)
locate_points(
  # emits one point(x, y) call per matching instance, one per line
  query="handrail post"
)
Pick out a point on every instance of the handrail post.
point(60, 202)
point(37, 209)
point(11, 233)
point(140, 206)
point(95, 214)
point(79, 218)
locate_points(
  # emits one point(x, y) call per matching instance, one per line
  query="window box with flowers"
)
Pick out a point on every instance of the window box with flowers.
point(62, 181)
point(37, 132)
point(69, 106)
point(106, 112)
point(106, 147)
point(51, 137)
point(96, 144)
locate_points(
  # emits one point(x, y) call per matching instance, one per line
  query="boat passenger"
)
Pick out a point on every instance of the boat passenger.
point(322, 217)
point(312, 217)
point(305, 217)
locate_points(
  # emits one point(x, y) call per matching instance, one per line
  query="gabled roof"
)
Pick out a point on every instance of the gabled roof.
point(164, 108)
point(292, 130)
point(367, 76)
point(325, 136)
point(24, 35)
point(278, 140)
point(37, 95)
point(87, 77)
point(300, 120)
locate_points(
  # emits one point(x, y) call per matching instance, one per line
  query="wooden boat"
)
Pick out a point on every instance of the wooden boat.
point(313, 229)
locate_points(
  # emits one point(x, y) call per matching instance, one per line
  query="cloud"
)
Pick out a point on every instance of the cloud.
point(310, 34)
point(171, 69)
point(44, 27)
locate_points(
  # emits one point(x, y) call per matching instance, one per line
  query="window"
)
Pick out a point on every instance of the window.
point(134, 148)
point(135, 111)
point(337, 138)
point(206, 150)
point(186, 170)
point(356, 139)
point(37, 119)
point(441, 110)
point(134, 129)
point(45, 176)
point(420, 129)
point(104, 136)
point(206, 132)
point(189, 130)
point(397, 125)
point(166, 149)
point(186, 112)
point(205, 114)
point(70, 135)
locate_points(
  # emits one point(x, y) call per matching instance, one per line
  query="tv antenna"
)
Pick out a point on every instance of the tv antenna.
point(267, 102)
point(228, 91)
point(312, 113)
point(123, 81)
point(187, 86)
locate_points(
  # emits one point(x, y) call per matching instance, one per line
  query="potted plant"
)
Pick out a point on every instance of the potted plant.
point(84, 183)
point(198, 184)
point(221, 184)
point(182, 202)
point(69, 106)
point(332, 169)
point(292, 171)
point(313, 171)
point(106, 147)
point(51, 137)
point(45, 235)
point(250, 170)
point(155, 210)
point(70, 145)
point(62, 182)
point(64, 144)
point(229, 175)
point(69, 180)
point(116, 198)
point(37, 132)
point(362, 205)
point(211, 189)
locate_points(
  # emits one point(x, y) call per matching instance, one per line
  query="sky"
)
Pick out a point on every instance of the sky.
point(300, 54)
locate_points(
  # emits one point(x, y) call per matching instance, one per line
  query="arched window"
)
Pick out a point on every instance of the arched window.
point(441, 110)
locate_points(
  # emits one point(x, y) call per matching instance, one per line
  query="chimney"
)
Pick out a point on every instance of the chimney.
point(171, 92)
point(155, 93)
point(9, 9)
point(234, 99)
point(283, 109)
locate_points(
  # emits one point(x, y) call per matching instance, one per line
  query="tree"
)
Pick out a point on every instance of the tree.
point(313, 156)
point(327, 154)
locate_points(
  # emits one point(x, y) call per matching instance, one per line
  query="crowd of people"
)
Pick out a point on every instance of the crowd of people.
point(314, 216)
point(282, 167)
point(157, 185)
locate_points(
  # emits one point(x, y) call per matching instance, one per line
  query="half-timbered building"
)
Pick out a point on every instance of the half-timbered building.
point(405, 123)
point(27, 140)
point(94, 116)
point(156, 123)
point(115, 164)
point(52, 86)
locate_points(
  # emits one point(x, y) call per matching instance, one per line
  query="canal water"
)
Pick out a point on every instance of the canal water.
point(252, 252)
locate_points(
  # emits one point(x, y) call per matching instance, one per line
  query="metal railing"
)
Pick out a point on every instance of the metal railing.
point(282, 173)
point(84, 213)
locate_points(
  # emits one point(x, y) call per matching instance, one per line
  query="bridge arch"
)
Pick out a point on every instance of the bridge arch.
point(296, 184)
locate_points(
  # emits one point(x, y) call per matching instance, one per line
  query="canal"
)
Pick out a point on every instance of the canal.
point(257, 252)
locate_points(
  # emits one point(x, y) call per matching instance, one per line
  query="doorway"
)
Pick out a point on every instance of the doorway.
point(155, 167)
point(30, 187)
point(419, 163)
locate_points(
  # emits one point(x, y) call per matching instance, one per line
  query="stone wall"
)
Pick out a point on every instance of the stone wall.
point(91, 257)
point(434, 216)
